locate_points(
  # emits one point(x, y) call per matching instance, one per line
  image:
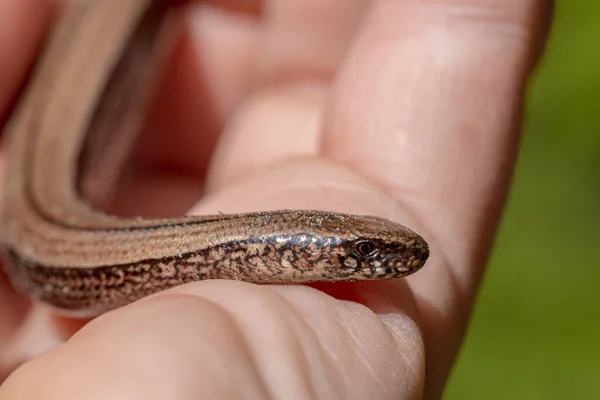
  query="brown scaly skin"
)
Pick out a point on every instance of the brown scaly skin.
point(331, 247)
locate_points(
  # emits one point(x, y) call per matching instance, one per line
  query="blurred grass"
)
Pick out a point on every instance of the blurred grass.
point(535, 333)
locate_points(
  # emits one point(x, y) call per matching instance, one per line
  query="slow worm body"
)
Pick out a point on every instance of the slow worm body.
point(92, 82)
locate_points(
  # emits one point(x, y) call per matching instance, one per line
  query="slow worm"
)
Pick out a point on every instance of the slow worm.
point(89, 90)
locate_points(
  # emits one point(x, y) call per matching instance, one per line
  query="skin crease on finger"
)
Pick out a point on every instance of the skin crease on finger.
point(309, 328)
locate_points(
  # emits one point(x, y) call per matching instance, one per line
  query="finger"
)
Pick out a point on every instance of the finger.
point(229, 340)
point(428, 107)
point(205, 77)
point(302, 44)
point(22, 26)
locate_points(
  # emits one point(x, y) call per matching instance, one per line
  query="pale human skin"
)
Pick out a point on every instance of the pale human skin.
point(408, 110)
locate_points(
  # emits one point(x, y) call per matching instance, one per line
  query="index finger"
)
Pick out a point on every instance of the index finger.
point(428, 107)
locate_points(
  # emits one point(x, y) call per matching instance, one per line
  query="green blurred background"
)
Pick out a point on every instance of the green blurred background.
point(535, 333)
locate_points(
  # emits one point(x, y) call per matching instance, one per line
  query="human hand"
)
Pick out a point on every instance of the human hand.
point(407, 110)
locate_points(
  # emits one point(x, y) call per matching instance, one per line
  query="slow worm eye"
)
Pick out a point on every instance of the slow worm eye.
point(366, 248)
